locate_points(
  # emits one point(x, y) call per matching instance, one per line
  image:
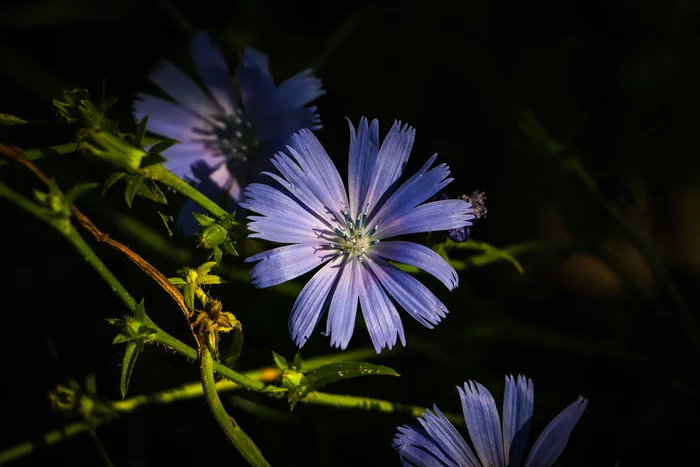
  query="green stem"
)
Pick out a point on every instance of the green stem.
point(50, 438)
point(165, 339)
point(164, 176)
point(245, 446)
point(67, 148)
point(185, 392)
point(369, 404)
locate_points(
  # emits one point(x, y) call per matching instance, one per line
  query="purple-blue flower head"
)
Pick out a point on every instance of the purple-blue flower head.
point(345, 232)
point(436, 442)
point(227, 133)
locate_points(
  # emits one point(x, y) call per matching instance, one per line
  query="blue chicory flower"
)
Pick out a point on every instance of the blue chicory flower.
point(325, 225)
point(227, 134)
point(437, 443)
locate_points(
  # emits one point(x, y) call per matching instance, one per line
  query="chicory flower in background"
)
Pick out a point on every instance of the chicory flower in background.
point(341, 231)
point(437, 443)
point(227, 133)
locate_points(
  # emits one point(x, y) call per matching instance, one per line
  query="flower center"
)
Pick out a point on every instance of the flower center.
point(231, 137)
point(352, 237)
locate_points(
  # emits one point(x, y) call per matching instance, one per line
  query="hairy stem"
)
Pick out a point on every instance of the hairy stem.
point(245, 446)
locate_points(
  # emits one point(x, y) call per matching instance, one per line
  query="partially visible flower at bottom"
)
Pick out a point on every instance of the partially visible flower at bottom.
point(437, 443)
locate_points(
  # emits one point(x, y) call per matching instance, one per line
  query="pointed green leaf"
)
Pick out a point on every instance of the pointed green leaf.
point(210, 279)
point(176, 281)
point(280, 361)
point(75, 192)
point(122, 338)
point(140, 311)
point(217, 254)
point(203, 220)
point(167, 220)
point(150, 190)
point(140, 132)
point(230, 357)
point(205, 268)
point(111, 180)
point(11, 120)
point(133, 349)
point(188, 294)
point(333, 372)
point(297, 362)
point(162, 146)
point(132, 187)
point(229, 248)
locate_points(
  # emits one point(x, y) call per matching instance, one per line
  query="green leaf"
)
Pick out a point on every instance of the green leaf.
point(188, 294)
point(297, 362)
point(162, 146)
point(75, 192)
point(150, 190)
point(11, 120)
point(111, 180)
point(280, 361)
point(205, 268)
point(132, 187)
point(176, 281)
point(140, 132)
point(489, 253)
point(228, 247)
point(203, 220)
point(331, 373)
point(167, 220)
point(230, 357)
point(140, 311)
point(133, 349)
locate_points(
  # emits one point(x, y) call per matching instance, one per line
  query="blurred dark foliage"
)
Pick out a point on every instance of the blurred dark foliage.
point(616, 82)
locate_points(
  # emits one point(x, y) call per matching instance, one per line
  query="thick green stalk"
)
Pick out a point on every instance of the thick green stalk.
point(245, 446)
point(164, 176)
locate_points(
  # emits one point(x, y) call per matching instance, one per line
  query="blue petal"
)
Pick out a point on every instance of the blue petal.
point(286, 221)
point(482, 422)
point(421, 257)
point(414, 191)
point(303, 188)
point(382, 320)
point(254, 79)
point(311, 303)
point(363, 155)
point(181, 157)
point(553, 439)
point(213, 69)
point(448, 438)
point(341, 315)
point(168, 119)
point(319, 169)
point(429, 217)
point(284, 263)
point(417, 448)
point(518, 402)
point(175, 83)
point(298, 91)
point(413, 296)
point(391, 160)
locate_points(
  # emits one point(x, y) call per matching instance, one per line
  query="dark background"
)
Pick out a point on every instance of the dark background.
point(614, 82)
